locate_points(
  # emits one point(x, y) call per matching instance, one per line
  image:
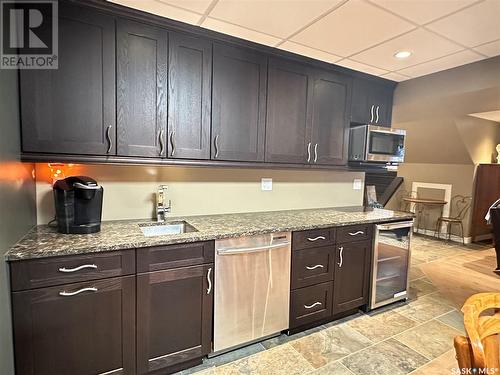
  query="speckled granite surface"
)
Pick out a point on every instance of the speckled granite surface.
point(44, 241)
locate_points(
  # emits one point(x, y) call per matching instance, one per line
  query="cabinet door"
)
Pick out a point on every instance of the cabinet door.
point(330, 118)
point(287, 113)
point(351, 277)
point(362, 107)
point(81, 329)
point(383, 108)
point(239, 104)
point(141, 89)
point(190, 90)
point(174, 316)
point(72, 109)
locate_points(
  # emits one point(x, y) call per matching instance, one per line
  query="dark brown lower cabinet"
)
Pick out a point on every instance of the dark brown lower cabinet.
point(352, 272)
point(79, 329)
point(174, 317)
point(310, 304)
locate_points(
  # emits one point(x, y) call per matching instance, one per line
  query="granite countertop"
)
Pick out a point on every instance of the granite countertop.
point(44, 241)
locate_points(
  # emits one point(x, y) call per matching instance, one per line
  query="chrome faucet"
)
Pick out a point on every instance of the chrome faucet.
point(161, 203)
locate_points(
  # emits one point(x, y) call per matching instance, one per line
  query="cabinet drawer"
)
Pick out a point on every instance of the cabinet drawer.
point(312, 266)
point(36, 273)
point(311, 304)
point(354, 233)
point(312, 238)
point(174, 256)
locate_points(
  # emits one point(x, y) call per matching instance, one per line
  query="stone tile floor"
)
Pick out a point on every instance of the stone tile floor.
point(414, 337)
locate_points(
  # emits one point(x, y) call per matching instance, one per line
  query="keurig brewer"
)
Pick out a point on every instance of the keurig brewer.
point(78, 203)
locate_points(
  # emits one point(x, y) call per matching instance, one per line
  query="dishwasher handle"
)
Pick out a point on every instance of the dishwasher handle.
point(396, 225)
point(246, 250)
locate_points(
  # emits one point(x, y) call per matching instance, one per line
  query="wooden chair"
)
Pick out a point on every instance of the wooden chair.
point(460, 205)
point(481, 349)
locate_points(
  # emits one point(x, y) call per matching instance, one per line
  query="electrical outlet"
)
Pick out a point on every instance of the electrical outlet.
point(267, 184)
point(357, 184)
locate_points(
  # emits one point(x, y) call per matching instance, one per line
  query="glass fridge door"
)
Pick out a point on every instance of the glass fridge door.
point(391, 261)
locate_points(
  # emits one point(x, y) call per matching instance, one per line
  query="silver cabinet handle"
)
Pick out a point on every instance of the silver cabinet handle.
point(314, 267)
point(371, 111)
point(172, 143)
point(376, 120)
point(69, 294)
point(316, 238)
point(209, 289)
point(313, 305)
point(309, 152)
point(108, 137)
point(162, 144)
point(216, 146)
point(83, 266)
point(315, 152)
point(341, 248)
point(356, 233)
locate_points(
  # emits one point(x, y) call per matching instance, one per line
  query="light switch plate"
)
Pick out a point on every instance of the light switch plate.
point(357, 184)
point(267, 184)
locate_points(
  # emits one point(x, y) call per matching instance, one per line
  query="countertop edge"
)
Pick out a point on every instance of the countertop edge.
point(207, 237)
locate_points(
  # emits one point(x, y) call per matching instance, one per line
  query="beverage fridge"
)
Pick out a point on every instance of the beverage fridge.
point(391, 261)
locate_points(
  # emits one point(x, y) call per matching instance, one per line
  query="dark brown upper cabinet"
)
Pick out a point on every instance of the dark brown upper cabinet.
point(351, 276)
point(238, 104)
point(71, 110)
point(371, 102)
point(190, 90)
point(81, 328)
point(307, 115)
point(174, 317)
point(288, 101)
point(141, 90)
point(331, 96)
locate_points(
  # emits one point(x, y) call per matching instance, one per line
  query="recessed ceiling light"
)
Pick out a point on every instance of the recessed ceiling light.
point(402, 55)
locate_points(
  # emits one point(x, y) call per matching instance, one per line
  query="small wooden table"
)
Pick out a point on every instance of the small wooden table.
point(421, 204)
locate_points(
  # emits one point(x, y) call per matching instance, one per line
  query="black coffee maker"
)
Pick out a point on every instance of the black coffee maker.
point(78, 201)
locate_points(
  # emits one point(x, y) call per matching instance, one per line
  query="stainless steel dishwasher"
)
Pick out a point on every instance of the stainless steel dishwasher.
point(252, 289)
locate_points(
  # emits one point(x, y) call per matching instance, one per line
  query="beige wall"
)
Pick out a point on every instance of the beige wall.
point(444, 143)
point(129, 191)
point(17, 203)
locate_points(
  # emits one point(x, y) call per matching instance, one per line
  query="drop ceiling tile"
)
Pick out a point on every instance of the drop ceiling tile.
point(489, 49)
point(395, 77)
point(361, 67)
point(448, 62)
point(160, 9)
point(239, 32)
point(276, 17)
point(309, 52)
point(475, 25)
point(423, 11)
point(198, 6)
point(354, 26)
point(423, 44)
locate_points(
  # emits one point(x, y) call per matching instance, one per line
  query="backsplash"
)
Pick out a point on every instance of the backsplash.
point(129, 191)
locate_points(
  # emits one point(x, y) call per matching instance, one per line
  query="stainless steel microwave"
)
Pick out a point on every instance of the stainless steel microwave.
point(369, 143)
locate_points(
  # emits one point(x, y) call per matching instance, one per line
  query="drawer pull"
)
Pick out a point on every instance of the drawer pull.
point(69, 294)
point(316, 238)
point(68, 270)
point(313, 305)
point(314, 267)
point(356, 233)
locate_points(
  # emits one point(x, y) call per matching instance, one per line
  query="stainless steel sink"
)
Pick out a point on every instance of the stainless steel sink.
point(162, 229)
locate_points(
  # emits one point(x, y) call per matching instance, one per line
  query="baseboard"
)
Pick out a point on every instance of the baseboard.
point(444, 236)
